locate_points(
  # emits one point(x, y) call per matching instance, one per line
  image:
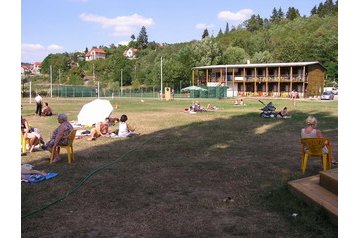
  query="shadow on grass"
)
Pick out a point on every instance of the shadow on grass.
point(176, 183)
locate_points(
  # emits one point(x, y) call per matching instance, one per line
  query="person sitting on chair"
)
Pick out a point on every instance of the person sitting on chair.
point(59, 136)
point(310, 131)
point(31, 134)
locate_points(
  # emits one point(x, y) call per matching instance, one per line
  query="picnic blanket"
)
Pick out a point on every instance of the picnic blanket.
point(35, 178)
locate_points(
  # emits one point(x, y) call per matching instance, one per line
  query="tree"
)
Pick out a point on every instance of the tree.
point(280, 14)
point(205, 34)
point(220, 33)
point(327, 8)
point(143, 38)
point(277, 15)
point(227, 28)
point(206, 52)
point(274, 16)
point(292, 13)
point(235, 55)
point(262, 57)
point(254, 23)
point(314, 10)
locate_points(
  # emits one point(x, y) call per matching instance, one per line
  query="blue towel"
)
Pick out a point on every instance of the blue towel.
point(35, 178)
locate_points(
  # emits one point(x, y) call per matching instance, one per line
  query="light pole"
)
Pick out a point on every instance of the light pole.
point(161, 78)
point(59, 82)
point(51, 78)
point(121, 82)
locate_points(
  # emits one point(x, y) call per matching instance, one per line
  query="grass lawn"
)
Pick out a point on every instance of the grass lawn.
point(210, 174)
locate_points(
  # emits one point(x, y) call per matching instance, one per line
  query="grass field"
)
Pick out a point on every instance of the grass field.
point(210, 174)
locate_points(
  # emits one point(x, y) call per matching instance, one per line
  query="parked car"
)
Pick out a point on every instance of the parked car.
point(327, 95)
point(335, 91)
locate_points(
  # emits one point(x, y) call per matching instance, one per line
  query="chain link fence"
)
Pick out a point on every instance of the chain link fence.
point(64, 91)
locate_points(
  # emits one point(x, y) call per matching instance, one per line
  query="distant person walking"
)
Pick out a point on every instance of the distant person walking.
point(38, 100)
point(173, 93)
point(294, 96)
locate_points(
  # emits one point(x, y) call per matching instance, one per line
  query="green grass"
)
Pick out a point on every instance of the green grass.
point(173, 179)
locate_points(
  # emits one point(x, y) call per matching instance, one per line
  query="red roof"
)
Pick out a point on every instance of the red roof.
point(98, 50)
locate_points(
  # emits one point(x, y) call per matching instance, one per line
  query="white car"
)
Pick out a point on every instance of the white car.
point(327, 95)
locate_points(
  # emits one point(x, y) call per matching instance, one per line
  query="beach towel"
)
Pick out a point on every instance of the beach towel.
point(35, 178)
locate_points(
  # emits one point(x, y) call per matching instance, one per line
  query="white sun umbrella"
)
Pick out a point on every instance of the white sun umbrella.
point(95, 111)
point(193, 88)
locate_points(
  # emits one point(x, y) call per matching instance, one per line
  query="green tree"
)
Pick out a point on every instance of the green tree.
point(274, 16)
point(277, 15)
point(220, 33)
point(235, 55)
point(206, 52)
point(292, 13)
point(254, 23)
point(205, 34)
point(314, 11)
point(262, 57)
point(143, 38)
point(227, 28)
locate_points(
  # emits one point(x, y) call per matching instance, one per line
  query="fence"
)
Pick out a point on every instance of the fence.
point(93, 91)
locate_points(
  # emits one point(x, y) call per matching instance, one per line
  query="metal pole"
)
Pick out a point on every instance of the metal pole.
point(51, 78)
point(30, 92)
point(121, 82)
point(161, 77)
point(98, 89)
point(59, 82)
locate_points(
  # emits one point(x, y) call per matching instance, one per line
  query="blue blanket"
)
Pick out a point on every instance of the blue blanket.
point(35, 178)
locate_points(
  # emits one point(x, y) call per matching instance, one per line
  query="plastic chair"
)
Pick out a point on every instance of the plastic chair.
point(23, 143)
point(69, 147)
point(313, 147)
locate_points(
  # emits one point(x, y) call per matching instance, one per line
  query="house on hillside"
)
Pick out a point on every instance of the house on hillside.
point(26, 69)
point(36, 68)
point(94, 54)
point(267, 79)
point(130, 53)
point(31, 68)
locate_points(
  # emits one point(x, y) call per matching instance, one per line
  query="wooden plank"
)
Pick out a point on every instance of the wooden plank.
point(311, 191)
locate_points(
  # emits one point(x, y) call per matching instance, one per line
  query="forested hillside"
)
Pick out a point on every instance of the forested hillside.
point(285, 37)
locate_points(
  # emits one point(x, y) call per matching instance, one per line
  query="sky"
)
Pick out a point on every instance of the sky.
point(72, 25)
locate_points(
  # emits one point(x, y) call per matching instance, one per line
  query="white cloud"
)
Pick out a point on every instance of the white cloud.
point(124, 42)
point(54, 47)
point(239, 16)
point(31, 47)
point(37, 52)
point(121, 25)
point(203, 26)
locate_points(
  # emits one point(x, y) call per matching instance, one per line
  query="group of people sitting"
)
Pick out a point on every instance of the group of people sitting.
point(33, 136)
point(196, 107)
point(102, 128)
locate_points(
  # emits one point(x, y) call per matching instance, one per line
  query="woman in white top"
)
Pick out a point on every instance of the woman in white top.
point(310, 130)
point(124, 129)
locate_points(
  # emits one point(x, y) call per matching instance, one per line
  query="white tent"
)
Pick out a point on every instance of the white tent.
point(94, 112)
